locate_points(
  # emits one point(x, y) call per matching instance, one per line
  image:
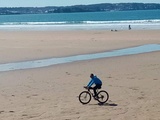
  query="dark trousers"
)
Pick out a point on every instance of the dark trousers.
point(98, 86)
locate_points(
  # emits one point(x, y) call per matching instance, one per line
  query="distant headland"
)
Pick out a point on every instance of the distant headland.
point(79, 8)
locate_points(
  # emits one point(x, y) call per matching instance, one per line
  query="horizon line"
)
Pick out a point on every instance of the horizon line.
point(76, 5)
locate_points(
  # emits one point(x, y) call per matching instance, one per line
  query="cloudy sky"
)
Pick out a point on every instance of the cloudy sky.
point(42, 3)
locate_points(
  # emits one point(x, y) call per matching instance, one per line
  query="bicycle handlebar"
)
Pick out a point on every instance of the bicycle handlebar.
point(85, 87)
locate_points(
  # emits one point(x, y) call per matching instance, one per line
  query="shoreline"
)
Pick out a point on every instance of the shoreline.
point(76, 27)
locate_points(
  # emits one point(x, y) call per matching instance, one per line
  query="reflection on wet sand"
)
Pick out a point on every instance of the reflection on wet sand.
point(54, 61)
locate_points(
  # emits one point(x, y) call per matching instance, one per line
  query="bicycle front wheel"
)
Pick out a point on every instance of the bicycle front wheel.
point(85, 97)
point(103, 96)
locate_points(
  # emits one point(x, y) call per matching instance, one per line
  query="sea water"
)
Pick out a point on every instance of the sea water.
point(54, 61)
point(119, 20)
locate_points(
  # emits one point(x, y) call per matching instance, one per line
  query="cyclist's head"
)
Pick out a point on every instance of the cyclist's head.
point(92, 75)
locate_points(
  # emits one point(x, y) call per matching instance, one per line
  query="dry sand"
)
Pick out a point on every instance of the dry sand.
point(51, 93)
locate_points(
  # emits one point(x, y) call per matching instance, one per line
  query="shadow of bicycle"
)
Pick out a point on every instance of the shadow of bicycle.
point(108, 104)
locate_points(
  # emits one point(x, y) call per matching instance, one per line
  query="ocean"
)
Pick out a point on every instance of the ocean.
point(109, 20)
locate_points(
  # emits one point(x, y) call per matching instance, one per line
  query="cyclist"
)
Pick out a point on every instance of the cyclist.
point(94, 80)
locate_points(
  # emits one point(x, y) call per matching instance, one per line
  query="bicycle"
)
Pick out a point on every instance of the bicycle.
point(85, 96)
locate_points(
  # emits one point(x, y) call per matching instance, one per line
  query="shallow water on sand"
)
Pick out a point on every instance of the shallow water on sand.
point(55, 61)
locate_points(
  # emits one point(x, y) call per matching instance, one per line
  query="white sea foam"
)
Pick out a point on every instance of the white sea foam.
point(154, 21)
point(75, 25)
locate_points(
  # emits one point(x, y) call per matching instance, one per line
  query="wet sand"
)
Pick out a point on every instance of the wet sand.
point(51, 93)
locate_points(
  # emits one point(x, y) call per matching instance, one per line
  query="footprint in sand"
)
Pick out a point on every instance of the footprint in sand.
point(2, 111)
point(68, 73)
point(11, 111)
point(34, 95)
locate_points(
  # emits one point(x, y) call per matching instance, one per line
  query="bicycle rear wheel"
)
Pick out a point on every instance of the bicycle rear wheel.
point(103, 96)
point(85, 97)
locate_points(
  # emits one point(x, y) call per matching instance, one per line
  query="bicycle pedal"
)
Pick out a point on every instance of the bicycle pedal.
point(96, 97)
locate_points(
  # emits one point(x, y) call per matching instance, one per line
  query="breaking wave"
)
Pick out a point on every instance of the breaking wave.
point(155, 21)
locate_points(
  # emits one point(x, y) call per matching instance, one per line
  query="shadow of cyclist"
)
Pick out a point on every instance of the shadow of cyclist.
point(108, 104)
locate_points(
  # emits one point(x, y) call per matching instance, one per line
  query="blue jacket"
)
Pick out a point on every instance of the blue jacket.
point(94, 80)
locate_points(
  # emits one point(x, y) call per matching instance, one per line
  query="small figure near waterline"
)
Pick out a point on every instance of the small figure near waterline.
point(129, 27)
point(114, 30)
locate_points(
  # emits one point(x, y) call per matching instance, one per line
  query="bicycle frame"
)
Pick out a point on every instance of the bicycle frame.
point(92, 93)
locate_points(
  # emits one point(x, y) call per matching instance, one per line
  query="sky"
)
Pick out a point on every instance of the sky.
point(42, 3)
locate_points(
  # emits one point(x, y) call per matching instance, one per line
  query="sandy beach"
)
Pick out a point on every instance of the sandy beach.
point(51, 93)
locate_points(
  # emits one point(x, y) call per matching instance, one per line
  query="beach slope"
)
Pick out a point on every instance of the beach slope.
point(51, 93)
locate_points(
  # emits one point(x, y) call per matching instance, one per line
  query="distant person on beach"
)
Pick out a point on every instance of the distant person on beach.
point(94, 80)
point(129, 27)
